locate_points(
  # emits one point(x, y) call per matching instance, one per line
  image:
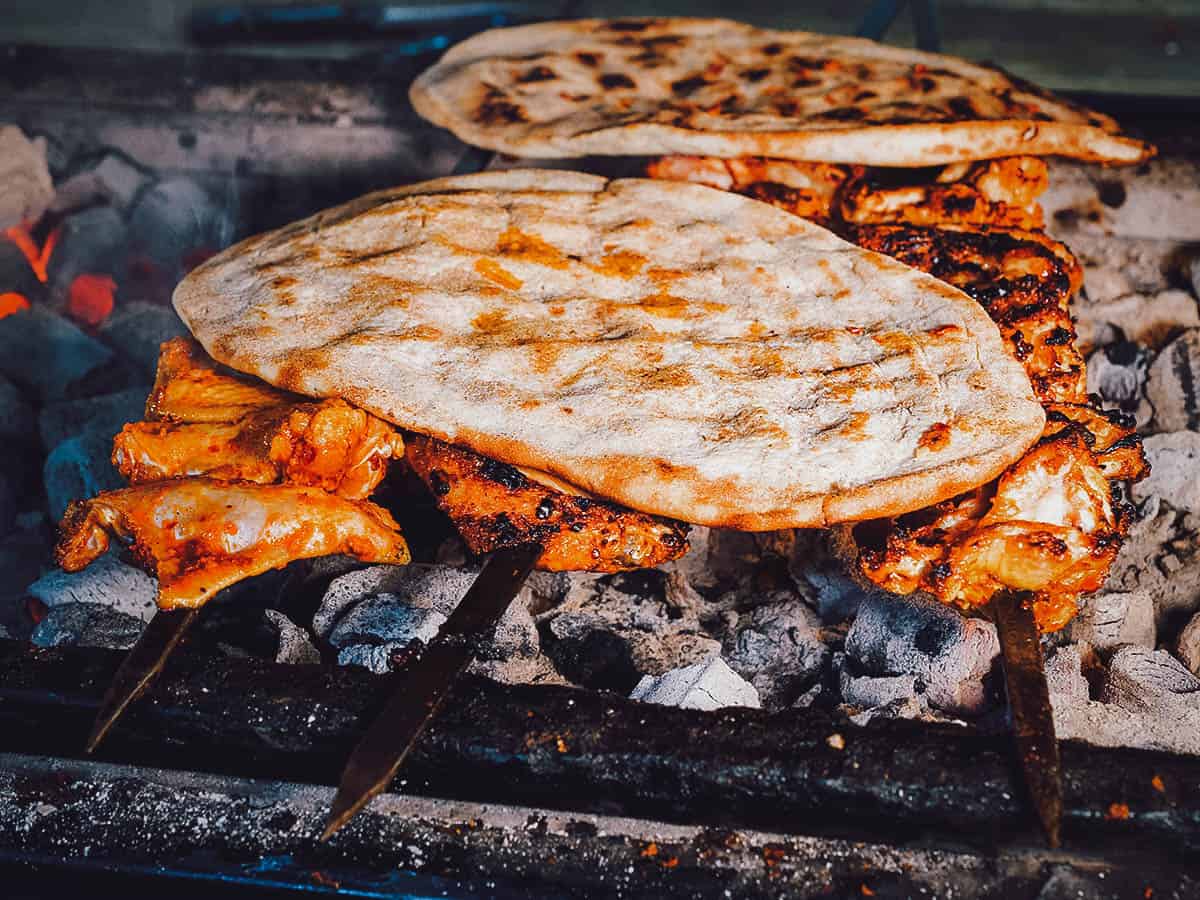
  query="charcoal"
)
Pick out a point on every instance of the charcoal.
point(778, 648)
point(602, 637)
point(105, 415)
point(1115, 618)
point(44, 351)
point(386, 618)
point(1174, 470)
point(376, 658)
point(436, 588)
point(1148, 701)
point(26, 189)
point(137, 329)
point(295, 646)
point(837, 596)
point(1173, 384)
point(1147, 319)
point(90, 243)
point(115, 179)
point(87, 625)
point(17, 419)
point(175, 218)
point(870, 691)
point(77, 468)
point(1117, 374)
point(1187, 646)
point(1161, 556)
point(106, 582)
point(8, 505)
point(949, 653)
point(706, 685)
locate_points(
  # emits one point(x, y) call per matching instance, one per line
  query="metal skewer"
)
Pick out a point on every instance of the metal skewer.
point(421, 686)
point(141, 666)
point(1029, 702)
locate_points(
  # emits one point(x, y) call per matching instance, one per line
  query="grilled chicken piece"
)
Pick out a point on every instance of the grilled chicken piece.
point(494, 505)
point(209, 420)
point(998, 193)
point(330, 445)
point(192, 387)
point(1052, 524)
point(808, 190)
point(1023, 280)
point(197, 535)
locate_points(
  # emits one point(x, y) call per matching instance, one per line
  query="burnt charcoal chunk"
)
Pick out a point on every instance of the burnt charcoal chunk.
point(598, 659)
point(612, 80)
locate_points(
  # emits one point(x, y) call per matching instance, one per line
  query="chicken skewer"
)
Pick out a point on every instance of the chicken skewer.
point(1030, 544)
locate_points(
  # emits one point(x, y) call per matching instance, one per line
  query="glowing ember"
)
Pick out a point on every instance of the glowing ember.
point(39, 259)
point(12, 303)
point(90, 298)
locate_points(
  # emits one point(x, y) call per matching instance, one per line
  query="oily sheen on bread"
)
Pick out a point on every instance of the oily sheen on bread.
point(674, 348)
point(715, 87)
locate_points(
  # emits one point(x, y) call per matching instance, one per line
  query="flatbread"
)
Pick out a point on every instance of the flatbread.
point(714, 87)
point(674, 348)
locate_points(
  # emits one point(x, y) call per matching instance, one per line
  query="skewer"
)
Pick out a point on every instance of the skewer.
point(1029, 702)
point(421, 686)
point(140, 667)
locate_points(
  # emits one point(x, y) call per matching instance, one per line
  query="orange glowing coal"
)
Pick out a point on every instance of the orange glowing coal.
point(39, 258)
point(90, 297)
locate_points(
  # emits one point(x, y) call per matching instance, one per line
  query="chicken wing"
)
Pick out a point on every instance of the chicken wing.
point(197, 535)
point(192, 387)
point(330, 445)
point(494, 505)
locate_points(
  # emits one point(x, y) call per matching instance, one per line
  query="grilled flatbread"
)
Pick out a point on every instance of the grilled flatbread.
point(670, 347)
point(721, 88)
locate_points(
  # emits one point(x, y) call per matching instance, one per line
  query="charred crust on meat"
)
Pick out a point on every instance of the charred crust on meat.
point(545, 508)
point(502, 473)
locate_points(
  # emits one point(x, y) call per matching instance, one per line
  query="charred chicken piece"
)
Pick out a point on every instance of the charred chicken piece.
point(1024, 281)
point(998, 193)
point(1052, 524)
point(192, 387)
point(197, 535)
point(330, 445)
point(494, 505)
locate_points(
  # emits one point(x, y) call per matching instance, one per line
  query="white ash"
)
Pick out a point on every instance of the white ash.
point(137, 329)
point(105, 415)
point(1148, 319)
point(41, 350)
point(1111, 619)
point(78, 468)
point(295, 646)
point(1148, 701)
point(1117, 374)
point(107, 582)
point(1161, 556)
point(706, 685)
point(87, 625)
point(1174, 470)
point(1187, 646)
point(1173, 385)
point(437, 588)
point(1158, 200)
point(26, 189)
point(778, 647)
point(949, 653)
point(603, 637)
point(871, 691)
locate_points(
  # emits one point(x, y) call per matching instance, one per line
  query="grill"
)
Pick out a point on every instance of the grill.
point(220, 777)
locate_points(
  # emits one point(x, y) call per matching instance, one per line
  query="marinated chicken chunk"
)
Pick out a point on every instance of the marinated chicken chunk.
point(197, 535)
point(209, 420)
point(1024, 281)
point(1052, 524)
point(998, 193)
point(192, 387)
point(494, 505)
point(330, 445)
